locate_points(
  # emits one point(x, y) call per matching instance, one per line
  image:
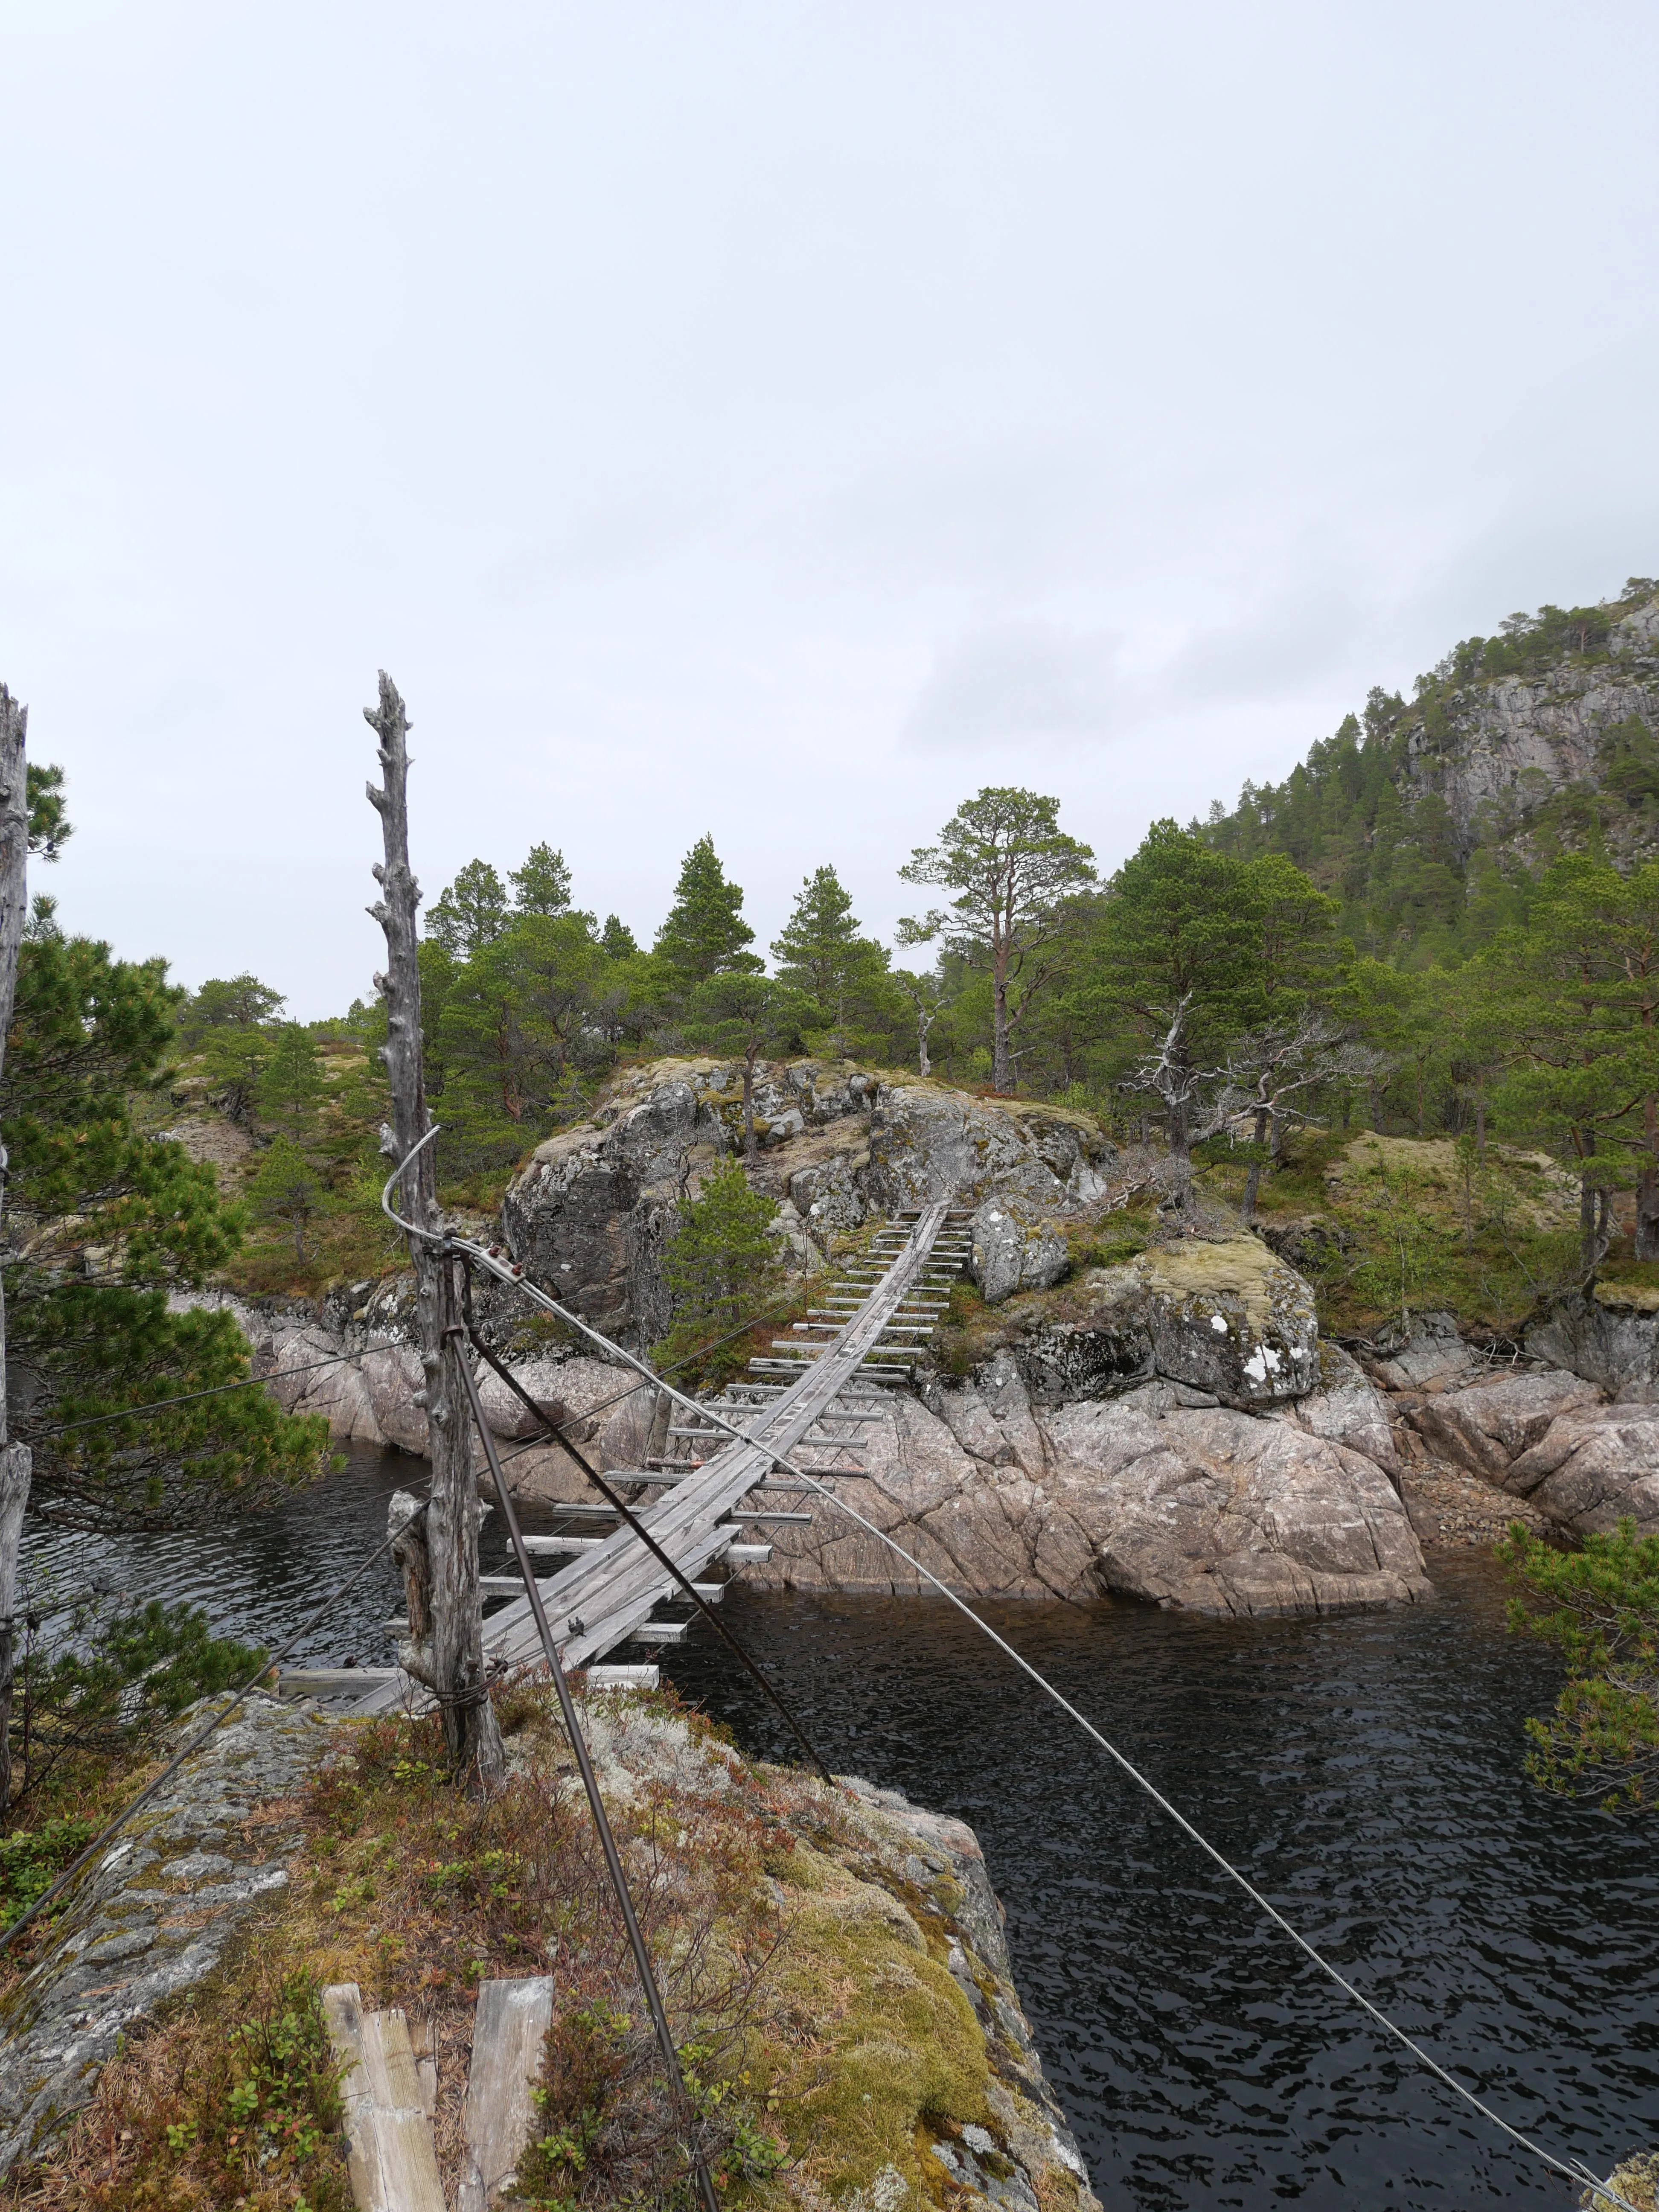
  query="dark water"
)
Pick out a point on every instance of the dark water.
point(260, 1576)
point(1363, 1772)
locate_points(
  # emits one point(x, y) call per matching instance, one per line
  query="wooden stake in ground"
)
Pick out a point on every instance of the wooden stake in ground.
point(452, 1518)
point(15, 1459)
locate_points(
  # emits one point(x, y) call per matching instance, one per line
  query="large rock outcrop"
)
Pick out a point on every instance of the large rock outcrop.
point(153, 1917)
point(1499, 743)
point(1202, 1507)
point(1593, 1467)
point(1168, 1427)
point(1611, 1337)
point(1223, 1316)
point(593, 1208)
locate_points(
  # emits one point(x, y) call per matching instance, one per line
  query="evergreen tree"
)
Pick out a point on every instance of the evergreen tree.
point(286, 1188)
point(521, 1021)
point(823, 957)
point(1017, 876)
point(1599, 1606)
point(292, 1084)
point(705, 934)
point(132, 1219)
point(1579, 987)
point(543, 884)
point(721, 1265)
point(471, 913)
point(1195, 952)
point(617, 939)
point(242, 1002)
point(746, 1016)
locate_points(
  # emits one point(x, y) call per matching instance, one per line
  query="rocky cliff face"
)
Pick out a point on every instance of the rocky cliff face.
point(1505, 743)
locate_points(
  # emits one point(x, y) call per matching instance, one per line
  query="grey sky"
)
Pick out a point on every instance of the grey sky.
point(777, 419)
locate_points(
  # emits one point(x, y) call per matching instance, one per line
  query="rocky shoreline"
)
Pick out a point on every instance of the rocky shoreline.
point(1168, 1426)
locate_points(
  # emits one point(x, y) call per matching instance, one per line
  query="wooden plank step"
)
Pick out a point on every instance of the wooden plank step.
point(752, 1555)
point(390, 2153)
point(331, 1681)
point(508, 2031)
point(659, 1631)
point(624, 1678)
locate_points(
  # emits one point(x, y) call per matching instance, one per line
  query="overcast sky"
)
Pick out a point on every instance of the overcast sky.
point(776, 419)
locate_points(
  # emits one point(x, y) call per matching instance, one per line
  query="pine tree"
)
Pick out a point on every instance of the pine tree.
point(705, 934)
point(471, 913)
point(617, 939)
point(821, 956)
point(1017, 876)
point(286, 1188)
point(89, 1338)
point(746, 1016)
point(292, 1082)
point(721, 1265)
point(543, 884)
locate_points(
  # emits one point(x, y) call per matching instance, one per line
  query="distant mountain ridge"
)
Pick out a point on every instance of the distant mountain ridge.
point(1430, 821)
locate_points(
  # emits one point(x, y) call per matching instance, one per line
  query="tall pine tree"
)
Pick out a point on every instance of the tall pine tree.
point(705, 934)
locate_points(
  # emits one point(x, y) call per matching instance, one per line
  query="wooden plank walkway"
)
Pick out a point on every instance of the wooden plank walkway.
point(607, 1594)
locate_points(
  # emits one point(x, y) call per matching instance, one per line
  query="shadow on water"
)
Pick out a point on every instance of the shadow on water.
point(1364, 1770)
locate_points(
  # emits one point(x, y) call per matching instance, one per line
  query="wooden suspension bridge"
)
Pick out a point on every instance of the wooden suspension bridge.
point(806, 1404)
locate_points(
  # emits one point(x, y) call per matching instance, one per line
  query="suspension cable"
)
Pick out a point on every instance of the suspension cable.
point(671, 2056)
point(631, 1519)
point(1573, 2171)
point(195, 1742)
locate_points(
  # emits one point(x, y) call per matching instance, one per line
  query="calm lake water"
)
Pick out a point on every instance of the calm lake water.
point(1363, 1772)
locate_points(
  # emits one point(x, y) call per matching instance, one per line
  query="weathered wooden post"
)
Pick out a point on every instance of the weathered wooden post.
point(15, 1459)
point(454, 1514)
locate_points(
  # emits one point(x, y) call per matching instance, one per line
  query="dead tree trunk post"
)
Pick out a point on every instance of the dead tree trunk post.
point(15, 1465)
point(454, 1514)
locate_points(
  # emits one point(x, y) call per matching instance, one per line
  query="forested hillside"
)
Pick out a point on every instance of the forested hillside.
point(1429, 822)
point(1443, 927)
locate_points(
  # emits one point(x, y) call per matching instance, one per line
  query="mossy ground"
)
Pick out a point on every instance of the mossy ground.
point(801, 1956)
point(1382, 1223)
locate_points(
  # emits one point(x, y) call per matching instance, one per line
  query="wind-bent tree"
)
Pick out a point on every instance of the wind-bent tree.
point(241, 1002)
point(453, 1659)
point(705, 934)
point(1016, 877)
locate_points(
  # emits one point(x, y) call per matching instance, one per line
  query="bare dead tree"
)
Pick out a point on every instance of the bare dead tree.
point(1269, 1073)
point(458, 1679)
point(923, 992)
point(1198, 1102)
point(15, 1464)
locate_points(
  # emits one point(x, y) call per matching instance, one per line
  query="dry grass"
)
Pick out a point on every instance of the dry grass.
point(823, 2039)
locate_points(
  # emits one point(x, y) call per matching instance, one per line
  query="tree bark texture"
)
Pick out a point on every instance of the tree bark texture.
point(453, 1513)
point(15, 1465)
